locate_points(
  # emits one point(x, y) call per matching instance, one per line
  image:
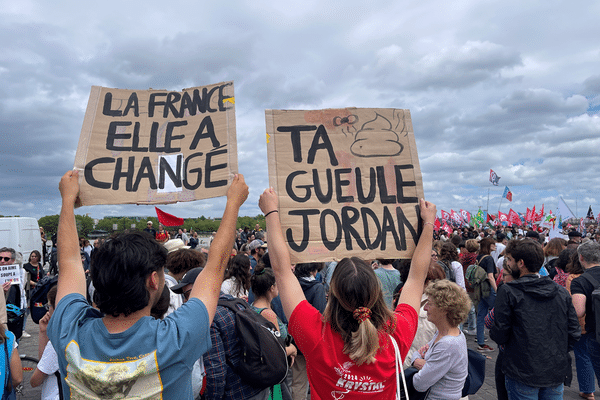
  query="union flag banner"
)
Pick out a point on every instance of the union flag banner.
point(513, 217)
point(528, 217)
point(447, 228)
point(466, 216)
point(445, 216)
point(502, 217)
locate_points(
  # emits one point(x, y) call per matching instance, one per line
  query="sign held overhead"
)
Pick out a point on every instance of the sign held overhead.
point(348, 182)
point(157, 146)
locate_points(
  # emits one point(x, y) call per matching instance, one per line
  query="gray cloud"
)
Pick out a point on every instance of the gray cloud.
point(488, 85)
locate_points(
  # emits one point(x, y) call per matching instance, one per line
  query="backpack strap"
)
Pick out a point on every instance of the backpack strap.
point(60, 388)
point(591, 280)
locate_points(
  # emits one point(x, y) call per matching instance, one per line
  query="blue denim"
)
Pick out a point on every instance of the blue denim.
point(472, 319)
point(585, 369)
point(484, 306)
point(593, 349)
point(519, 391)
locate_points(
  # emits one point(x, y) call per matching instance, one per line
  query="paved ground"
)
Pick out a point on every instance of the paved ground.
point(488, 390)
point(29, 347)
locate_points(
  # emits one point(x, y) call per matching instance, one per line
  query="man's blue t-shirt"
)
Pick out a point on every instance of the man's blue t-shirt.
point(151, 360)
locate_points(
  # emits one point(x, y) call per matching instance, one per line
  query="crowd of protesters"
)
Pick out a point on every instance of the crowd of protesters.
point(142, 314)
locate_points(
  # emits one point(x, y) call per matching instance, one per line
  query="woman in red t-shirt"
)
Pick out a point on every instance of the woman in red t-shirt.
point(348, 350)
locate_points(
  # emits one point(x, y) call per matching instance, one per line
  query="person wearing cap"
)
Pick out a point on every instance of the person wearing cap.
point(222, 382)
point(257, 250)
point(120, 350)
point(149, 229)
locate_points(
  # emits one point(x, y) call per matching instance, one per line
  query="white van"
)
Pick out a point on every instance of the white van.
point(22, 234)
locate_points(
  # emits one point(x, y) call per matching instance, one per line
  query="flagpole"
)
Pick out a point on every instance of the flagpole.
point(487, 208)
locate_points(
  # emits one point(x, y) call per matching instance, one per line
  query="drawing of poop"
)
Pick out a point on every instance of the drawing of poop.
point(376, 139)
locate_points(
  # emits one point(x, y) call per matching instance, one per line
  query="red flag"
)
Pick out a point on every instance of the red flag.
point(528, 215)
point(445, 216)
point(533, 215)
point(466, 216)
point(168, 219)
point(502, 216)
point(514, 218)
point(447, 229)
point(540, 215)
point(437, 224)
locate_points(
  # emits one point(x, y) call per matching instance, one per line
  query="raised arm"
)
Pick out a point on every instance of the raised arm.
point(413, 288)
point(208, 284)
point(289, 288)
point(71, 278)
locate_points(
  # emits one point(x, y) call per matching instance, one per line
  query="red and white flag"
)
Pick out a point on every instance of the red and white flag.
point(447, 228)
point(514, 218)
point(466, 216)
point(528, 216)
point(445, 216)
point(502, 216)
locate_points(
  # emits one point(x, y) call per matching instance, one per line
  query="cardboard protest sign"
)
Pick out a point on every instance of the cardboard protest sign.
point(348, 182)
point(157, 146)
point(10, 273)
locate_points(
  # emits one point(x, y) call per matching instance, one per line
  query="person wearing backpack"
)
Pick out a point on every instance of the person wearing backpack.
point(352, 348)
point(486, 261)
point(225, 356)
point(582, 289)
point(265, 290)
point(536, 323)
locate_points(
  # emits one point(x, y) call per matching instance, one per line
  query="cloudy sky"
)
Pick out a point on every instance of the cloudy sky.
point(512, 85)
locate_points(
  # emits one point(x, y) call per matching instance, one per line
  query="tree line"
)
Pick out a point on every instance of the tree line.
point(85, 224)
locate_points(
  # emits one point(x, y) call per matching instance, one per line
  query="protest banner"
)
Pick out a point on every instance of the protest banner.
point(157, 146)
point(10, 273)
point(348, 182)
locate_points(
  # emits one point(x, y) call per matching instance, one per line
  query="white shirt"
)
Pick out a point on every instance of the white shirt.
point(496, 253)
point(48, 364)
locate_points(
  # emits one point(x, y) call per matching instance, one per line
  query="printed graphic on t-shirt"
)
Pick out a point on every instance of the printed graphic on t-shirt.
point(349, 381)
point(137, 378)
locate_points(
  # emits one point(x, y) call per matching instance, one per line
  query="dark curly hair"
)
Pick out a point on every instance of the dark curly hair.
point(181, 261)
point(238, 267)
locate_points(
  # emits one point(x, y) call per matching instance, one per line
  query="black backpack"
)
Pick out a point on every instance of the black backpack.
point(39, 297)
point(263, 361)
point(15, 316)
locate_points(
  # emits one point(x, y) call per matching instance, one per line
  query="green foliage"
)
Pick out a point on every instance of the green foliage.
point(85, 224)
point(50, 224)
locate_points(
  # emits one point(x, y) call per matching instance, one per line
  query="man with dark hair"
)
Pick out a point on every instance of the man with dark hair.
point(122, 351)
point(581, 289)
point(225, 355)
point(257, 250)
point(525, 308)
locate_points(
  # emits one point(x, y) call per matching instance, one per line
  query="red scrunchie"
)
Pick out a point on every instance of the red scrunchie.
point(361, 314)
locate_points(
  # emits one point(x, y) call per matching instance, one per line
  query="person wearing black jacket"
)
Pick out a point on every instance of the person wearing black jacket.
point(314, 291)
point(533, 362)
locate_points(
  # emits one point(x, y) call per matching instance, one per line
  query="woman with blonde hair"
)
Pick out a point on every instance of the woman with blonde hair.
point(443, 362)
point(349, 351)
